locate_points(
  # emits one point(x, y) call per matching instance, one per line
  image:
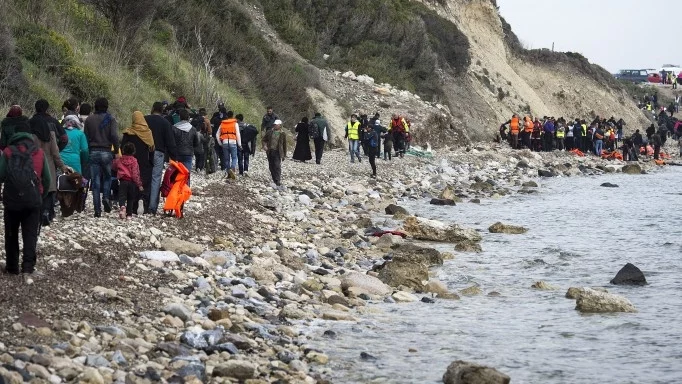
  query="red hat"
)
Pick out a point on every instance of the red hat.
point(182, 99)
point(14, 111)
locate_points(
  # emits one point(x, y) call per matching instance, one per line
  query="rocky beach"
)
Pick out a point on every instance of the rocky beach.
point(226, 294)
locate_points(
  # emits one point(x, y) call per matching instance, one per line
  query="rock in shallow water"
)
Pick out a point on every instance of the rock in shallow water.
point(609, 185)
point(462, 372)
point(393, 209)
point(433, 230)
point(507, 229)
point(629, 275)
point(592, 301)
point(632, 169)
point(447, 202)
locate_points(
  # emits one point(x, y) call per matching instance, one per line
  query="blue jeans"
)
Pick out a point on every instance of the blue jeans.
point(354, 148)
point(100, 172)
point(243, 159)
point(598, 144)
point(230, 156)
point(157, 174)
point(186, 160)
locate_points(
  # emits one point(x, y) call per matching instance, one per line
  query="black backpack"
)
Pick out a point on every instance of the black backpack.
point(22, 184)
point(313, 130)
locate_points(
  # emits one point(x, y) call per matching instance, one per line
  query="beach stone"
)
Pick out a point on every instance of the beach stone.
point(338, 316)
point(164, 256)
point(541, 285)
point(433, 230)
point(468, 246)
point(91, 376)
point(609, 185)
point(632, 169)
point(238, 369)
point(442, 202)
point(415, 253)
point(103, 293)
point(219, 258)
point(576, 292)
point(462, 372)
point(178, 310)
point(546, 173)
point(530, 184)
point(592, 301)
point(471, 291)
point(388, 240)
point(629, 275)
point(179, 247)
point(393, 209)
point(449, 194)
point(405, 269)
point(507, 229)
point(404, 297)
point(316, 357)
point(215, 314)
point(436, 286)
point(364, 283)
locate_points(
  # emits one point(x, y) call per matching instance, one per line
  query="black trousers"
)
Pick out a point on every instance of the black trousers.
point(219, 151)
point(48, 206)
point(29, 222)
point(128, 196)
point(275, 165)
point(200, 161)
point(388, 150)
point(372, 155)
point(657, 151)
point(319, 149)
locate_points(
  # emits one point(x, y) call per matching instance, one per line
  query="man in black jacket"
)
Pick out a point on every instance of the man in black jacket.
point(164, 145)
point(268, 121)
point(101, 130)
point(247, 133)
point(322, 137)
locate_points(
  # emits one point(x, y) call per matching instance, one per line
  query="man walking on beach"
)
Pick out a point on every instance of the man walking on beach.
point(268, 120)
point(320, 124)
point(275, 146)
point(164, 145)
point(353, 136)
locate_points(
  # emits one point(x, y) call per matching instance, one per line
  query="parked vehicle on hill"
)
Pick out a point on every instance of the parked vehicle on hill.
point(633, 75)
point(654, 78)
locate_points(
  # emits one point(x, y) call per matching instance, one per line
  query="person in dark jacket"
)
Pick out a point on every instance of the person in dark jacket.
point(650, 132)
point(274, 144)
point(28, 219)
point(322, 137)
point(8, 126)
point(302, 150)
point(101, 129)
point(248, 135)
point(216, 120)
point(657, 142)
point(142, 139)
point(371, 143)
point(185, 140)
point(164, 145)
point(376, 126)
point(268, 121)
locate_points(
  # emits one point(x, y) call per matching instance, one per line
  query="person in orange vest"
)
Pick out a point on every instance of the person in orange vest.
point(229, 137)
point(513, 131)
point(527, 131)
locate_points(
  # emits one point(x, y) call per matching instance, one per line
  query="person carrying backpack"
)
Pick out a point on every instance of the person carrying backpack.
point(248, 133)
point(228, 135)
point(25, 176)
point(319, 133)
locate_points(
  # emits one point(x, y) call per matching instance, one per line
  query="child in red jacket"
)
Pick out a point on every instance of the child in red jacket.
point(130, 183)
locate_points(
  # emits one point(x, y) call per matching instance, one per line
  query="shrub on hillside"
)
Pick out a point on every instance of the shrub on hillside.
point(44, 47)
point(84, 83)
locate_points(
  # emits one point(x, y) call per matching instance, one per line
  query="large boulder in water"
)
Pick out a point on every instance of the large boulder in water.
point(449, 202)
point(592, 301)
point(462, 372)
point(393, 209)
point(432, 230)
point(629, 275)
point(508, 229)
point(356, 283)
point(409, 266)
point(414, 253)
point(632, 169)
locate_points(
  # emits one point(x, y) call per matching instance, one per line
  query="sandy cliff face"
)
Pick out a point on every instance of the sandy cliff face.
point(507, 80)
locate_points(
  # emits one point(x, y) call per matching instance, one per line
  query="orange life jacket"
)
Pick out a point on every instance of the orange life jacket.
point(514, 126)
point(180, 192)
point(529, 126)
point(228, 130)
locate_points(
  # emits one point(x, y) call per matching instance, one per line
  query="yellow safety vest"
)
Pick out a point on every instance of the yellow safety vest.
point(353, 130)
point(560, 133)
point(584, 130)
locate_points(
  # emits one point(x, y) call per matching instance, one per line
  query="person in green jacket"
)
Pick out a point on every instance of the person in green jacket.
point(76, 151)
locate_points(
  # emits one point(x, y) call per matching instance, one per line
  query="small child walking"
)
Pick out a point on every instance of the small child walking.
point(130, 183)
point(388, 145)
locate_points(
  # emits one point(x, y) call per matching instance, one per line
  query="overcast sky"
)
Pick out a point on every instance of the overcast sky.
point(610, 33)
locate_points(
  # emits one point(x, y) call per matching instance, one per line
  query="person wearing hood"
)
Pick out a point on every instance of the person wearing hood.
point(71, 107)
point(43, 127)
point(101, 129)
point(141, 137)
point(302, 149)
point(15, 116)
point(21, 212)
point(185, 140)
point(76, 151)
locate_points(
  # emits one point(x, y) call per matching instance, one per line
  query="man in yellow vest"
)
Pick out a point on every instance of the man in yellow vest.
point(353, 136)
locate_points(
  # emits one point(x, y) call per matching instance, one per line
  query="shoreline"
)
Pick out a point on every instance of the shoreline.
point(256, 258)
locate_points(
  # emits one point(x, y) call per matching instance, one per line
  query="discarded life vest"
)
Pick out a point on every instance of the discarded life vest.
point(180, 192)
point(577, 152)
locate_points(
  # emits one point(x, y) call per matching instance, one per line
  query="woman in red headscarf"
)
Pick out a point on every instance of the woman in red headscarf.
point(9, 124)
